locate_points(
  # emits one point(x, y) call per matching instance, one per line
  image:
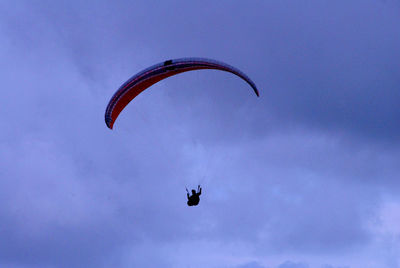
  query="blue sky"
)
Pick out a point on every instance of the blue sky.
point(304, 176)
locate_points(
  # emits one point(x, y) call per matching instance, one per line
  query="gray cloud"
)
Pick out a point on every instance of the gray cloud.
point(252, 264)
point(290, 264)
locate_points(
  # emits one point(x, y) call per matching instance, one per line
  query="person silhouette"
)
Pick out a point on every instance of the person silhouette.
point(194, 199)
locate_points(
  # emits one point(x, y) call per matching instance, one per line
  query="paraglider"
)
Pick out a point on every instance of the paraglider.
point(148, 77)
point(194, 199)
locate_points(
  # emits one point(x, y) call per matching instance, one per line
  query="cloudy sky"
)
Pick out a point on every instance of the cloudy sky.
point(306, 176)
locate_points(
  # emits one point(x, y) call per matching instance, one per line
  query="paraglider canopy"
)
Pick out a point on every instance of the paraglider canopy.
point(148, 77)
